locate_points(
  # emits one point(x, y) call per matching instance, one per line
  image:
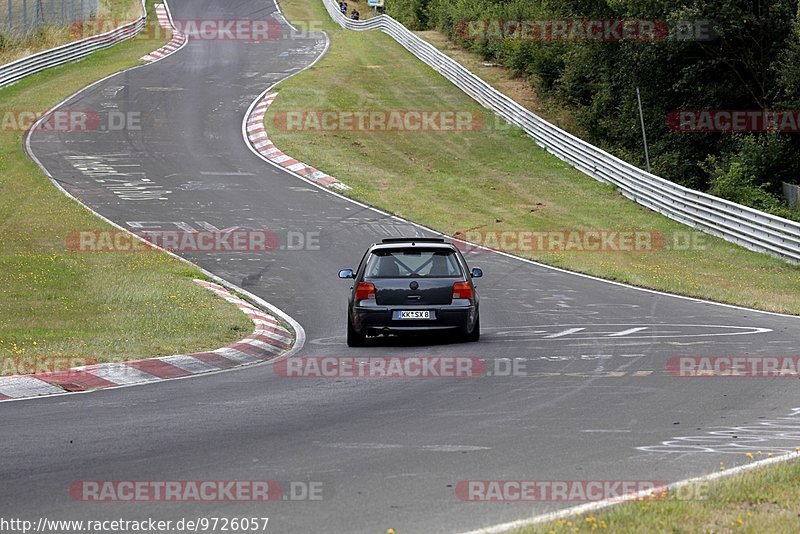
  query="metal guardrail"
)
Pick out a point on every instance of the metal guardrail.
point(733, 222)
point(16, 70)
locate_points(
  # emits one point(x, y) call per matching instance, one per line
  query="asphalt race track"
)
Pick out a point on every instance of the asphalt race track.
point(595, 402)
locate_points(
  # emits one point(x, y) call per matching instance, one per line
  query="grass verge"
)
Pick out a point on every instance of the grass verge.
point(762, 500)
point(520, 90)
point(111, 14)
point(106, 306)
point(495, 178)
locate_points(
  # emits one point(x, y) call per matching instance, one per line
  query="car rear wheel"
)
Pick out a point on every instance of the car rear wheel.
point(354, 339)
point(475, 335)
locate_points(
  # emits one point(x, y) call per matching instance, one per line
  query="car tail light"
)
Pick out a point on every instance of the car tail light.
point(462, 290)
point(365, 290)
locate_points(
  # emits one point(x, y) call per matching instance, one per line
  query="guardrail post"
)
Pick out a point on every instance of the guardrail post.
point(644, 135)
point(792, 194)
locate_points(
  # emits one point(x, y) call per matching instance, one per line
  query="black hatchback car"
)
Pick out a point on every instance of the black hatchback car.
point(412, 285)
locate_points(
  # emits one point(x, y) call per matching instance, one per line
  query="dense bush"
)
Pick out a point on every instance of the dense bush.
point(749, 170)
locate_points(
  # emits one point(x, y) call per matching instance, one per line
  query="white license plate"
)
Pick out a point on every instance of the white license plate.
point(420, 314)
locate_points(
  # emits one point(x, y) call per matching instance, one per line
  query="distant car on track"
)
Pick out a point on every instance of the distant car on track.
point(412, 285)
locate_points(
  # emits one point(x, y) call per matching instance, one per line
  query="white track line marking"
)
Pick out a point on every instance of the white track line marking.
point(190, 364)
point(566, 332)
point(628, 331)
point(599, 505)
point(123, 374)
point(25, 386)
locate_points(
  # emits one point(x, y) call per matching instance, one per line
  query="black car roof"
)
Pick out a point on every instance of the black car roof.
point(417, 239)
point(408, 243)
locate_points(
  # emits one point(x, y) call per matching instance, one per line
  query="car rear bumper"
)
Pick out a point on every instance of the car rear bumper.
point(379, 319)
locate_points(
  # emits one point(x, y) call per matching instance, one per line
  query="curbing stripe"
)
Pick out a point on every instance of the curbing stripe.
point(269, 327)
point(275, 330)
point(217, 360)
point(271, 338)
point(161, 14)
point(178, 40)
point(266, 346)
point(75, 380)
point(188, 363)
point(159, 368)
point(255, 133)
point(268, 341)
point(17, 387)
point(237, 355)
point(244, 350)
point(274, 343)
point(122, 374)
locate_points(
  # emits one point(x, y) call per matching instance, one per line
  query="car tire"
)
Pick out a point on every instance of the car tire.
point(475, 335)
point(354, 339)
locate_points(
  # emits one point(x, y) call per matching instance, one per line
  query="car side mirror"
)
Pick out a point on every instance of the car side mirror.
point(477, 273)
point(346, 273)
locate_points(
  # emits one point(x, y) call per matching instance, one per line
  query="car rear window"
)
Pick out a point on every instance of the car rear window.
point(413, 264)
